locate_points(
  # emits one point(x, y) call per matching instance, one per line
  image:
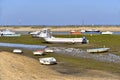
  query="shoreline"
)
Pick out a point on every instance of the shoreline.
point(102, 28)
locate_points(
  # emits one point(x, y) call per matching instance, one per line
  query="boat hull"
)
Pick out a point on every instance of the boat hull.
point(11, 35)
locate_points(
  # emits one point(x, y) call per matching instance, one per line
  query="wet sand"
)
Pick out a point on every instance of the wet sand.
point(101, 28)
point(18, 67)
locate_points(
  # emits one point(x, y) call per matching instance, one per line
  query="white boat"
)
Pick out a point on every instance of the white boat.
point(49, 50)
point(82, 31)
point(17, 51)
point(8, 33)
point(66, 40)
point(90, 30)
point(48, 60)
point(97, 50)
point(38, 52)
point(107, 32)
point(34, 32)
point(49, 38)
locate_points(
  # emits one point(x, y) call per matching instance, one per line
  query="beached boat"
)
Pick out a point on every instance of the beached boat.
point(49, 50)
point(51, 39)
point(17, 51)
point(38, 52)
point(48, 60)
point(107, 32)
point(8, 33)
point(97, 50)
point(75, 32)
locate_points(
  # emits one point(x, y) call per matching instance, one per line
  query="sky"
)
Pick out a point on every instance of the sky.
point(59, 12)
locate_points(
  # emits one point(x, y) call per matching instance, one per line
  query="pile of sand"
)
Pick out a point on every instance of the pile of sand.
point(17, 67)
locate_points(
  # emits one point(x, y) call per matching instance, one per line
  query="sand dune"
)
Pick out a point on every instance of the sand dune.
point(17, 67)
point(102, 28)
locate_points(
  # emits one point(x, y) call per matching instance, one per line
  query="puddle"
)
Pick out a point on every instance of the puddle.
point(22, 46)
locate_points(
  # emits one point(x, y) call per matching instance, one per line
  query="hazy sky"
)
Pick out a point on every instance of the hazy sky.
point(59, 12)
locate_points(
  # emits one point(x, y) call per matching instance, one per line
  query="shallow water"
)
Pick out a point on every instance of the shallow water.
point(64, 32)
point(22, 46)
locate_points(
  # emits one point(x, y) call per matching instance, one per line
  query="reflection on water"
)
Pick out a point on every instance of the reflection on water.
point(22, 46)
point(91, 33)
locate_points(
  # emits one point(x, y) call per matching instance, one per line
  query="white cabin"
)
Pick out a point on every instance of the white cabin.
point(43, 33)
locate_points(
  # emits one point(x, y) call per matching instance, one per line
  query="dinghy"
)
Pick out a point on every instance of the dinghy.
point(38, 52)
point(49, 50)
point(48, 60)
point(17, 51)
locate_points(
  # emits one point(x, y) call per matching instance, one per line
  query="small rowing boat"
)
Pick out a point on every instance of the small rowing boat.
point(97, 50)
point(48, 60)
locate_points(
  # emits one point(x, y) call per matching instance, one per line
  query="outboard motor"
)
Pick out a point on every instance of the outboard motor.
point(85, 41)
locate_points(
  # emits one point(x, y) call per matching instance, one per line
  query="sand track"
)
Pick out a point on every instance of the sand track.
point(17, 67)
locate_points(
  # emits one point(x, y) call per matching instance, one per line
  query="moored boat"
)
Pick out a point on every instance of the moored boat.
point(8, 33)
point(90, 30)
point(97, 50)
point(75, 32)
point(107, 32)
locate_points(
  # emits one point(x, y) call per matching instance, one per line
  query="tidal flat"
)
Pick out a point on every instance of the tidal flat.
point(68, 64)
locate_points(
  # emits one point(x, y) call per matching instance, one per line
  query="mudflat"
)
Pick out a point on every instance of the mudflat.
point(18, 67)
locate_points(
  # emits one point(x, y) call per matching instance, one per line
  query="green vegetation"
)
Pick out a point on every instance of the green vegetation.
point(69, 62)
point(95, 41)
point(24, 39)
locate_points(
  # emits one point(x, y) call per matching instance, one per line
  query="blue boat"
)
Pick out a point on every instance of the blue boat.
point(97, 50)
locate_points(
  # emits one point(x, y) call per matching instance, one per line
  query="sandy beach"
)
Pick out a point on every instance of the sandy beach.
point(101, 28)
point(18, 67)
